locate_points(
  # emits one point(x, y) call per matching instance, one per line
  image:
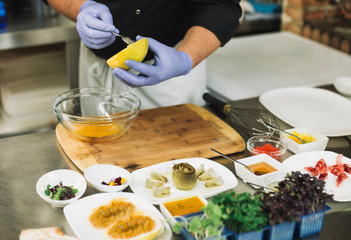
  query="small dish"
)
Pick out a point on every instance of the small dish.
point(270, 145)
point(273, 180)
point(319, 145)
point(68, 178)
point(247, 176)
point(343, 85)
point(186, 205)
point(99, 173)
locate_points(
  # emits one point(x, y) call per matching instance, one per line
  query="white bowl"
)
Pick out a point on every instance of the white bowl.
point(343, 85)
point(319, 145)
point(68, 178)
point(247, 176)
point(166, 213)
point(99, 173)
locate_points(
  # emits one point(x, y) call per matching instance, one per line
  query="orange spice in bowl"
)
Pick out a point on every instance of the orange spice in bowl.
point(272, 146)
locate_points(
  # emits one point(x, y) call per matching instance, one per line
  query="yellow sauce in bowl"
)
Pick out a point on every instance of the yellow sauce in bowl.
point(306, 138)
point(262, 168)
point(184, 206)
point(96, 131)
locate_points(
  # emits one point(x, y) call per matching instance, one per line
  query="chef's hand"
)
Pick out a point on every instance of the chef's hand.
point(168, 63)
point(95, 24)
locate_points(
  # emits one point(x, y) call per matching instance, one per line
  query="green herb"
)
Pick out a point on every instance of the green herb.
point(60, 192)
point(210, 224)
point(243, 211)
point(47, 191)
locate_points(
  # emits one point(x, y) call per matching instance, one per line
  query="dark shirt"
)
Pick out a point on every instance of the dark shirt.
point(168, 21)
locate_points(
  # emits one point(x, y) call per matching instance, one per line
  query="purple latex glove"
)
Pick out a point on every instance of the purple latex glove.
point(168, 63)
point(95, 24)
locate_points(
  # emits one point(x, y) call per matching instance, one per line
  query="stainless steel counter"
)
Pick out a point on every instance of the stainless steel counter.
point(25, 158)
point(26, 30)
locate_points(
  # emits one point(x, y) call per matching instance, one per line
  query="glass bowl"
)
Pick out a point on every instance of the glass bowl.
point(270, 145)
point(272, 181)
point(96, 114)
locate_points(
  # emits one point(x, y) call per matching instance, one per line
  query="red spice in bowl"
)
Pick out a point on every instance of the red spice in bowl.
point(271, 146)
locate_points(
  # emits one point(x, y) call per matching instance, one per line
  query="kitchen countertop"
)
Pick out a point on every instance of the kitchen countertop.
point(25, 158)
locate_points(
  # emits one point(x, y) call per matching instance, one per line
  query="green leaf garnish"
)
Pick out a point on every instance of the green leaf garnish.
point(208, 225)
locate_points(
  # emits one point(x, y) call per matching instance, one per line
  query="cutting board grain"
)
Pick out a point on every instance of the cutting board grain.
point(158, 135)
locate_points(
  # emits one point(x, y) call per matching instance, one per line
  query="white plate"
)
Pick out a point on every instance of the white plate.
point(299, 161)
point(327, 112)
point(139, 176)
point(78, 212)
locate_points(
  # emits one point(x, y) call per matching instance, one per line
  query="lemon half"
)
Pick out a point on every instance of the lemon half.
point(135, 51)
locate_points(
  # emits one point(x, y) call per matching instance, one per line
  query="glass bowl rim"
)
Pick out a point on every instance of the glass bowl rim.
point(98, 90)
point(272, 139)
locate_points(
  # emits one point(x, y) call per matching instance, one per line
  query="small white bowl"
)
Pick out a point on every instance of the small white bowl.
point(99, 173)
point(343, 85)
point(247, 176)
point(166, 213)
point(68, 178)
point(319, 145)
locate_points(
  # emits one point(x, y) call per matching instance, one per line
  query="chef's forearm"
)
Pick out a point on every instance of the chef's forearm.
point(199, 43)
point(68, 8)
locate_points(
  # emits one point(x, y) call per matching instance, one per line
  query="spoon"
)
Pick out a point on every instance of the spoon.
point(258, 185)
point(125, 39)
point(269, 126)
point(232, 159)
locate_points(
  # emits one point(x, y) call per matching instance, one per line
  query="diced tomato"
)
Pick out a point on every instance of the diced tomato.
point(336, 169)
point(339, 159)
point(347, 168)
point(312, 170)
point(341, 177)
point(321, 170)
point(321, 166)
point(323, 176)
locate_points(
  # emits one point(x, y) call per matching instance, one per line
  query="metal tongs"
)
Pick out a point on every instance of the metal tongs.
point(125, 39)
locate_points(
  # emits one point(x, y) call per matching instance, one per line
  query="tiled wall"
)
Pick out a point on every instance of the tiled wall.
point(320, 20)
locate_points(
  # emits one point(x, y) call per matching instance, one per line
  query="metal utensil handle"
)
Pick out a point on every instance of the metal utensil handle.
point(125, 39)
point(214, 101)
point(277, 129)
point(258, 185)
point(232, 159)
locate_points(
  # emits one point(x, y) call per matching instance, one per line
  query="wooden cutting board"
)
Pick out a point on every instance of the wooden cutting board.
point(158, 135)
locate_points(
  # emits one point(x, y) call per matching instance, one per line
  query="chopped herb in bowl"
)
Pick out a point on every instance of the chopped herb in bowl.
point(114, 182)
point(60, 192)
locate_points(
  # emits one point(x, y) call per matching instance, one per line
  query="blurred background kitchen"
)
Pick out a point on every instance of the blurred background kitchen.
point(278, 44)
